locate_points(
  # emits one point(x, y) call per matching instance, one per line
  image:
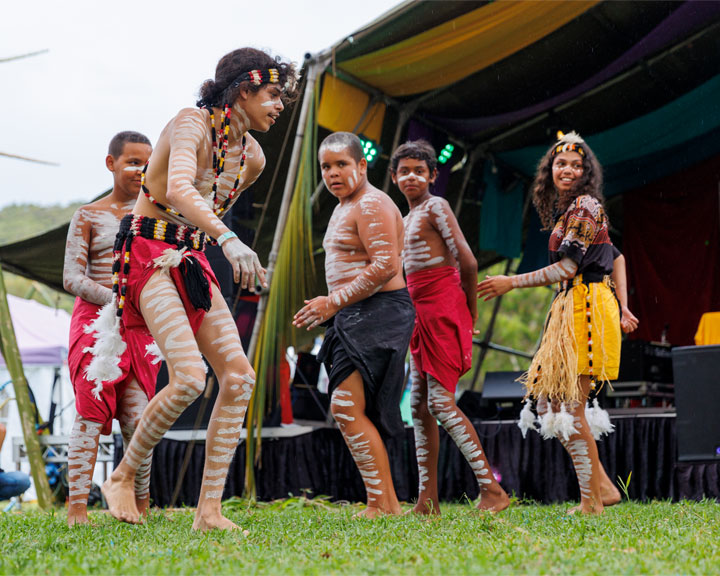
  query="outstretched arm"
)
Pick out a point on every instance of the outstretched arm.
point(444, 221)
point(494, 286)
point(185, 141)
point(77, 248)
point(629, 322)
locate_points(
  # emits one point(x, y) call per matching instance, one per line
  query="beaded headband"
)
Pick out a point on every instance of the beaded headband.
point(258, 77)
point(569, 143)
point(568, 147)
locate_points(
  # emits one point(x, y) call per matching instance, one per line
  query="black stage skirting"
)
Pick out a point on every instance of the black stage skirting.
point(319, 463)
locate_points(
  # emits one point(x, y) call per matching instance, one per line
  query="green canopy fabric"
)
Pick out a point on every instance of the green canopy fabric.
point(501, 215)
point(674, 126)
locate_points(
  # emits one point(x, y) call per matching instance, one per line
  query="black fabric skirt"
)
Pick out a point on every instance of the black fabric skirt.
point(372, 337)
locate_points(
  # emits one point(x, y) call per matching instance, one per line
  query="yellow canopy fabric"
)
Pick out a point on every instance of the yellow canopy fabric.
point(342, 107)
point(460, 47)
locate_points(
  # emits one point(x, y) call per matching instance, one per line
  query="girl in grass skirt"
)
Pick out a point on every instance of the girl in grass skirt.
point(581, 343)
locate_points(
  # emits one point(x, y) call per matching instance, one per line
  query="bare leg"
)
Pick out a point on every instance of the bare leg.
point(442, 406)
point(427, 445)
point(165, 316)
point(366, 446)
point(609, 493)
point(583, 451)
point(220, 343)
point(82, 453)
point(130, 409)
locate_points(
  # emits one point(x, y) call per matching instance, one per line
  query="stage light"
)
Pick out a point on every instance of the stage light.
point(446, 153)
point(371, 150)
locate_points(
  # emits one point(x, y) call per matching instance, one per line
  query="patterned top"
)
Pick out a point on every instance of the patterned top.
point(581, 234)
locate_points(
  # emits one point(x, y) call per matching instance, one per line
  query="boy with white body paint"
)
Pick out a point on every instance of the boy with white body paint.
point(87, 274)
point(368, 314)
point(204, 159)
point(446, 308)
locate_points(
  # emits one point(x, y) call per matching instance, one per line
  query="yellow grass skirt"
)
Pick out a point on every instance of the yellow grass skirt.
point(564, 353)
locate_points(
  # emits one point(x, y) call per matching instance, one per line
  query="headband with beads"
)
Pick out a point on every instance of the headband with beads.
point(258, 77)
point(569, 143)
point(568, 147)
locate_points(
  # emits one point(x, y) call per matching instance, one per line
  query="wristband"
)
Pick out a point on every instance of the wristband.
point(222, 238)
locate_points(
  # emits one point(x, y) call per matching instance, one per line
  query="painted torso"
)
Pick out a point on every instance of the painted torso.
point(183, 157)
point(429, 242)
point(87, 269)
point(359, 247)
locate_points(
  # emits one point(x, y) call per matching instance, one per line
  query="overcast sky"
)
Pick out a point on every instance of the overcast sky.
point(129, 65)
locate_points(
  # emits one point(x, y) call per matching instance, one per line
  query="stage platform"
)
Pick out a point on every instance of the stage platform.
point(315, 460)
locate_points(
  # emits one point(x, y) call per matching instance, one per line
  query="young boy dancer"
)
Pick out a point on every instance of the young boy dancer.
point(88, 275)
point(441, 344)
point(204, 159)
point(368, 314)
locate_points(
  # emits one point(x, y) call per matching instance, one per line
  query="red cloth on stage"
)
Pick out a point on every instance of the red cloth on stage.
point(441, 343)
point(671, 240)
point(142, 255)
point(134, 364)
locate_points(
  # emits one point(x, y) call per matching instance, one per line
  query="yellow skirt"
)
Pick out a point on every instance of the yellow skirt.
point(583, 326)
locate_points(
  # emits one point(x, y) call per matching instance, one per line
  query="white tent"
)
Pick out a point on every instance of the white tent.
point(42, 332)
point(42, 335)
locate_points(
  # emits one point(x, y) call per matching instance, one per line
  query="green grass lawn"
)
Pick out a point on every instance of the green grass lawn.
point(300, 537)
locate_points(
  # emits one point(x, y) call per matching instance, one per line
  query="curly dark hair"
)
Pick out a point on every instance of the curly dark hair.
point(224, 89)
point(417, 150)
point(545, 197)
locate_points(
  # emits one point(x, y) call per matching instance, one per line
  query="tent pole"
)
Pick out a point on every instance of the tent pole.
point(22, 398)
point(405, 113)
point(313, 69)
point(466, 180)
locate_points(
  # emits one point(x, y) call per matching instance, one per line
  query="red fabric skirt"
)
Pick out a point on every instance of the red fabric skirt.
point(135, 364)
point(441, 343)
point(142, 267)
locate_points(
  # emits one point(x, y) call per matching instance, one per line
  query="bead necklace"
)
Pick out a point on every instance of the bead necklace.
point(219, 145)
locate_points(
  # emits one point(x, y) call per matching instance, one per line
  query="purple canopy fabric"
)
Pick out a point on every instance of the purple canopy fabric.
point(42, 332)
point(680, 23)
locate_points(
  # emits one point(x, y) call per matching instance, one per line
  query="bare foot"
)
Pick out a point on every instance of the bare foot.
point(120, 498)
point(77, 515)
point(587, 508)
point(426, 508)
point(372, 512)
point(493, 501)
point(143, 506)
point(215, 521)
point(609, 494)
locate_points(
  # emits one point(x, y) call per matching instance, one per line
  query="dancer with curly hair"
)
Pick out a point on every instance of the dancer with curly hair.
point(204, 159)
point(581, 342)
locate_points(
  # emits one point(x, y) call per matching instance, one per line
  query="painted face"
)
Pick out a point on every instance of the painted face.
point(262, 108)
point(127, 168)
point(340, 172)
point(413, 178)
point(567, 169)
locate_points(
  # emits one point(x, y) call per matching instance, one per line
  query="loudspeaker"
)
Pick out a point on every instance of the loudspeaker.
point(501, 396)
point(645, 362)
point(697, 382)
point(503, 386)
point(186, 420)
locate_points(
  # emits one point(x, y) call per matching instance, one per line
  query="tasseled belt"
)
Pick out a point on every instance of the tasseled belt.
point(183, 238)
